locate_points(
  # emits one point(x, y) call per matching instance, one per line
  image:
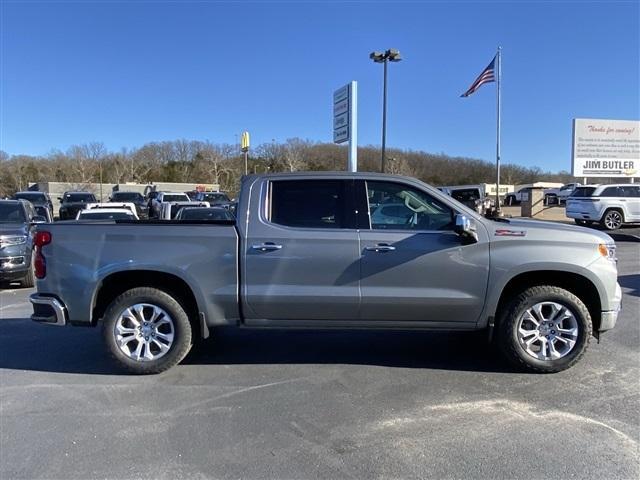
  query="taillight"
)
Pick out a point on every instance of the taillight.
point(41, 239)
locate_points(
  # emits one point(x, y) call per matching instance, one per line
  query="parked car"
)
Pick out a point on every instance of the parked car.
point(610, 205)
point(204, 213)
point(565, 191)
point(149, 196)
point(136, 198)
point(165, 197)
point(17, 219)
point(214, 198)
point(38, 199)
point(170, 210)
point(472, 197)
point(72, 202)
point(107, 214)
point(44, 212)
point(515, 198)
point(192, 194)
point(307, 254)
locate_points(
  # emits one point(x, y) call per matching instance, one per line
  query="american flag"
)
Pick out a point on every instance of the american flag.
point(487, 76)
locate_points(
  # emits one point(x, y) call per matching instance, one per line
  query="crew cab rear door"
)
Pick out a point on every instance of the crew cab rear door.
point(301, 252)
point(414, 266)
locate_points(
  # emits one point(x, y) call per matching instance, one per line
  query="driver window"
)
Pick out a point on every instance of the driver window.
point(394, 206)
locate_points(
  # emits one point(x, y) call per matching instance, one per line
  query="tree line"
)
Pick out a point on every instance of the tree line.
point(193, 161)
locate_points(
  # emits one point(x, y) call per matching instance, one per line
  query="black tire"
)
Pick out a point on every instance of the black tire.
point(183, 333)
point(508, 329)
point(612, 219)
point(509, 200)
point(29, 279)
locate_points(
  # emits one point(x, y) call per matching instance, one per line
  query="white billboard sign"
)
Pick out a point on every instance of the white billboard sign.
point(606, 148)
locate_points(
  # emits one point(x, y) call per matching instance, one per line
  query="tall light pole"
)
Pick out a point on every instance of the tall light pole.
point(391, 55)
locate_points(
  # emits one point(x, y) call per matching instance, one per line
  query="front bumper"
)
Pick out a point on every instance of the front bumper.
point(13, 268)
point(48, 310)
point(608, 318)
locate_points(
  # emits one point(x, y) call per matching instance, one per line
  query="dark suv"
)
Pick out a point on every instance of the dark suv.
point(39, 199)
point(132, 197)
point(72, 202)
point(17, 218)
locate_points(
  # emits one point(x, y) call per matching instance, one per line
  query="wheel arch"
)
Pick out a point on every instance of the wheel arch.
point(119, 282)
point(618, 209)
point(580, 285)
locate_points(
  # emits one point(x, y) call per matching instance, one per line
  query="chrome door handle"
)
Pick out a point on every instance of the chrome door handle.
point(267, 247)
point(381, 247)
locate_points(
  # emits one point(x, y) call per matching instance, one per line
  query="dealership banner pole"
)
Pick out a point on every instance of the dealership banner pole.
point(499, 79)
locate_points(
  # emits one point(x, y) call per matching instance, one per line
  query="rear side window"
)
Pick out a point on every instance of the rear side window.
point(583, 192)
point(611, 192)
point(308, 203)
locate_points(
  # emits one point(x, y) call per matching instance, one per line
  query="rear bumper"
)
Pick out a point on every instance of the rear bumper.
point(48, 310)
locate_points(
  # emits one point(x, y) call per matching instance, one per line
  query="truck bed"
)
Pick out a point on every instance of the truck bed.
point(82, 256)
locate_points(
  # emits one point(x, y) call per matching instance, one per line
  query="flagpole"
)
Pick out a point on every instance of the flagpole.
point(499, 78)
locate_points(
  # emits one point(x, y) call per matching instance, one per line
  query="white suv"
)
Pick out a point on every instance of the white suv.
point(611, 205)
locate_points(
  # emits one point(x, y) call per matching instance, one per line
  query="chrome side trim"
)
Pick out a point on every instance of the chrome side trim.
point(58, 307)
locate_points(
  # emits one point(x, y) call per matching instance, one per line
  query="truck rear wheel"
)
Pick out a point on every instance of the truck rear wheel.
point(545, 329)
point(146, 330)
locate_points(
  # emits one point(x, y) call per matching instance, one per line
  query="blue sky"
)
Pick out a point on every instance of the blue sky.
point(126, 73)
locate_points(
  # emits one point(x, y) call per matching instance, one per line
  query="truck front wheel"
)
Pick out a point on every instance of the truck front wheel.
point(545, 329)
point(146, 330)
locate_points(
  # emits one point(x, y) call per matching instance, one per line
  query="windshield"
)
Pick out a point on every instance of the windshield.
point(215, 197)
point(127, 197)
point(79, 197)
point(205, 214)
point(31, 196)
point(105, 216)
point(11, 213)
point(583, 192)
point(175, 198)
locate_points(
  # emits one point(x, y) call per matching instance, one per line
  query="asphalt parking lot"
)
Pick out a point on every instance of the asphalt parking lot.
point(271, 404)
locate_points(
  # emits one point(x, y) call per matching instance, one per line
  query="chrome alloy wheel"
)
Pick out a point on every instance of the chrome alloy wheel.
point(144, 332)
point(613, 220)
point(547, 331)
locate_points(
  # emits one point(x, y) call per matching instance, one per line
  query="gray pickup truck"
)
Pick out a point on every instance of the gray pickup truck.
point(330, 250)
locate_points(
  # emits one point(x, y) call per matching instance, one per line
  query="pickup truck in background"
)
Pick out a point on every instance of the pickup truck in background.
point(310, 250)
point(559, 196)
point(160, 198)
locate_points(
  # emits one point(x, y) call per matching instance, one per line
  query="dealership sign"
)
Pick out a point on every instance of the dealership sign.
point(606, 148)
point(345, 121)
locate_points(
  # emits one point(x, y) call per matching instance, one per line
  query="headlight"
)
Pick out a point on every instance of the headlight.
point(608, 251)
point(11, 240)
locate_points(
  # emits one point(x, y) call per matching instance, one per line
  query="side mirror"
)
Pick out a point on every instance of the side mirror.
point(38, 219)
point(465, 228)
point(59, 199)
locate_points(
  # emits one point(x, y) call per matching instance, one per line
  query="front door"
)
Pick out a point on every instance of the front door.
point(302, 254)
point(414, 267)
